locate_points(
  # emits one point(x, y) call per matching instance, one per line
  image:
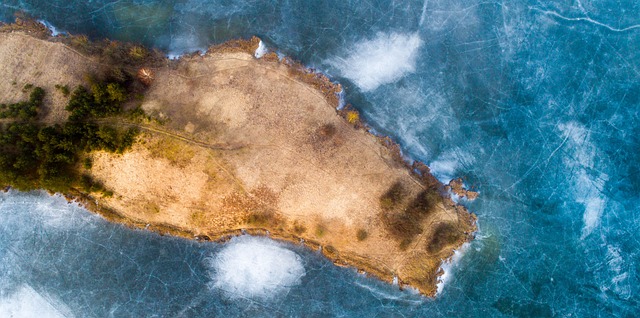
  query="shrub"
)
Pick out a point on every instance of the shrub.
point(87, 163)
point(137, 52)
point(393, 197)
point(80, 41)
point(405, 224)
point(402, 226)
point(444, 234)
point(320, 230)
point(63, 89)
point(362, 234)
point(353, 117)
point(423, 204)
point(259, 219)
point(24, 110)
point(326, 131)
point(298, 228)
point(137, 114)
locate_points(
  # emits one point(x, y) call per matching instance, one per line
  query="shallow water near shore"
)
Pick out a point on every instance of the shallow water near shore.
point(534, 103)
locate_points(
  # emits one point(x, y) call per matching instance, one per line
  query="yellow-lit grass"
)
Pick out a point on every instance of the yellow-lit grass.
point(177, 152)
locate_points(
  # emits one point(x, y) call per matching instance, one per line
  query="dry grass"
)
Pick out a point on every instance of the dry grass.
point(152, 208)
point(177, 152)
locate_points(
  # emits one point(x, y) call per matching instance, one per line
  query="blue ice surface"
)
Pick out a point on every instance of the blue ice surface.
point(534, 103)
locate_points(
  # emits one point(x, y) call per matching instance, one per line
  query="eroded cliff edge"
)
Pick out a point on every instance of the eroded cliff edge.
point(246, 145)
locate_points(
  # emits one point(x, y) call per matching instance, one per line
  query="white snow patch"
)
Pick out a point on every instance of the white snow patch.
point(444, 167)
point(256, 268)
point(618, 267)
point(341, 100)
point(382, 60)
point(261, 50)
point(588, 183)
point(27, 303)
point(592, 213)
point(183, 44)
point(448, 265)
point(54, 30)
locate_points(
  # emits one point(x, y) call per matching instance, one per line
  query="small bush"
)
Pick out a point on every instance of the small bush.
point(404, 225)
point(80, 41)
point(404, 244)
point(24, 110)
point(89, 185)
point(137, 52)
point(444, 234)
point(87, 163)
point(137, 114)
point(353, 117)
point(362, 235)
point(299, 228)
point(262, 218)
point(393, 197)
point(423, 204)
point(321, 230)
point(64, 89)
point(326, 131)
point(330, 249)
point(118, 75)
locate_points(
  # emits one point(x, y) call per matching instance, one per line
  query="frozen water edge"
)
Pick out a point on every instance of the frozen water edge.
point(448, 266)
point(53, 29)
point(177, 56)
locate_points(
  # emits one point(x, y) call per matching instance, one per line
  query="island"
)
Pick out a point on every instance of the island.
point(217, 144)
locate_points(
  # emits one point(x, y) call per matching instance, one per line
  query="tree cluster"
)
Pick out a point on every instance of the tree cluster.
point(34, 155)
point(103, 100)
point(24, 110)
